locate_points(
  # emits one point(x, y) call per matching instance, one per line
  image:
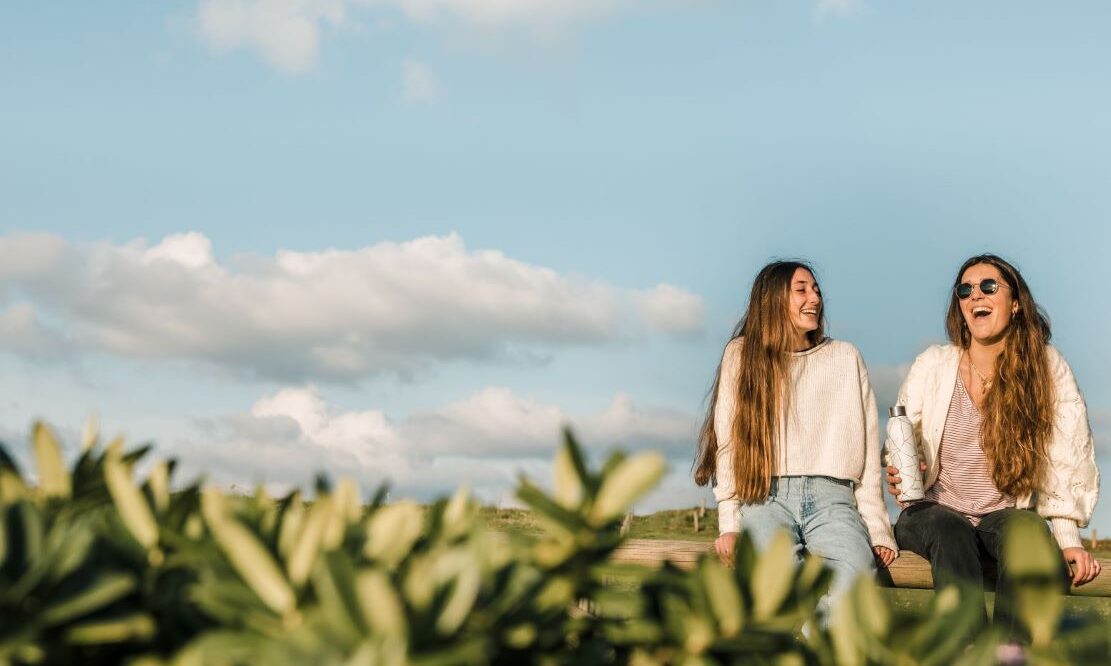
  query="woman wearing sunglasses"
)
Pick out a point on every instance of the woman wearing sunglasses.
point(791, 440)
point(1002, 427)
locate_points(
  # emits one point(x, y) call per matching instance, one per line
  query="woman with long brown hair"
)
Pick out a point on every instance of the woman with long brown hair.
point(1002, 427)
point(790, 440)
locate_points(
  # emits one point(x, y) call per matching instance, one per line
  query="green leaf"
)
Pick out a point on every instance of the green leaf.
point(304, 550)
point(1033, 561)
point(12, 487)
point(138, 626)
point(773, 574)
point(846, 636)
point(812, 568)
point(458, 514)
point(246, 554)
point(723, 595)
point(381, 605)
point(129, 500)
point(873, 613)
point(461, 599)
point(347, 500)
point(625, 484)
point(23, 523)
point(392, 531)
point(575, 453)
point(289, 529)
point(553, 515)
point(159, 482)
point(90, 433)
point(1039, 607)
point(102, 592)
point(335, 524)
point(1028, 550)
point(54, 478)
point(7, 462)
point(419, 584)
point(698, 634)
point(334, 587)
point(73, 545)
point(569, 484)
point(955, 616)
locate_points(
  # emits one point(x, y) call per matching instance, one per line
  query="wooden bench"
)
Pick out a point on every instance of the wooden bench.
point(910, 570)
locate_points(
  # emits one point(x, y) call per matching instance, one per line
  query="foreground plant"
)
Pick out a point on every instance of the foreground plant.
point(97, 567)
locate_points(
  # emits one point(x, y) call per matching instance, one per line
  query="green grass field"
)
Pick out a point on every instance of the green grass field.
point(680, 525)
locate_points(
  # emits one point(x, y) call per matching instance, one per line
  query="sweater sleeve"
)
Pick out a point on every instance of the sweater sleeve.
point(725, 410)
point(1071, 484)
point(912, 396)
point(869, 492)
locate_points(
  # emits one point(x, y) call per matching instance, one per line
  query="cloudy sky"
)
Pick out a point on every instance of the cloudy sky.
point(407, 240)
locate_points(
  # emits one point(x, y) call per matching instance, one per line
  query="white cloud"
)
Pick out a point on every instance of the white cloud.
point(495, 422)
point(669, 309)
point(334, 314)
point(418, 83)
point(534, 14)
point(284, 33)
point(22, 332)
point(484, 441)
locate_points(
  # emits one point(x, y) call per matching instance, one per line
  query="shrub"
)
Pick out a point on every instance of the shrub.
point(96, 567)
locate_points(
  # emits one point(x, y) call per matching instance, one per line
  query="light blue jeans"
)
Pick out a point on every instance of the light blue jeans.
point(820, 515)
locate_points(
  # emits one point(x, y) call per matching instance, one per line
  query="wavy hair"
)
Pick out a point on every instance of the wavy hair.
point(760, 395)
point(1018, 410)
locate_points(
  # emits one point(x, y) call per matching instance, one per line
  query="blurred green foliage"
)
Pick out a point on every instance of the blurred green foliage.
point(98, 567)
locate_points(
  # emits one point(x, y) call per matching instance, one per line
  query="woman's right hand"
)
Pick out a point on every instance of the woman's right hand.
point(724, 546)
point(893, 479)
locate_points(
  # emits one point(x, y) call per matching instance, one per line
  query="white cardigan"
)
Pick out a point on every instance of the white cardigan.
point(1071, 486)
point(830, 429)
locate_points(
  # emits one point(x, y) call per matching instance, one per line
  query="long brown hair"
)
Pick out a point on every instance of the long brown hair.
point(1019, 408)
point(759, 393)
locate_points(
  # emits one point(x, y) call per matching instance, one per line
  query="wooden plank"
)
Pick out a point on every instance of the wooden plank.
point(909, 570)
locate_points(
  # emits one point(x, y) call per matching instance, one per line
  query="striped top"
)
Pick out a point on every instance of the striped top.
point(964, 480)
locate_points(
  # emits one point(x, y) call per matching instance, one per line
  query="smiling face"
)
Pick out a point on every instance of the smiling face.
point(804, 304)
point(988, 316)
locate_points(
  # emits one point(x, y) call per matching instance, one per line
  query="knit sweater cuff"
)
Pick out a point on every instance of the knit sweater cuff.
point(729, 516)
point(1066, 532)
point(886, 540)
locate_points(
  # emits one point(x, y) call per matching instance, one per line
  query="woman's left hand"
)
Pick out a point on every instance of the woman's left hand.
point(884, 554)
point(1082, 566)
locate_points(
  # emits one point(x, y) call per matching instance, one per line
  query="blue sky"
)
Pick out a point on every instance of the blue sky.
point(408, 238)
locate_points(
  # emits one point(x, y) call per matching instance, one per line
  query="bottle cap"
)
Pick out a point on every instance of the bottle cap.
point(897, 410)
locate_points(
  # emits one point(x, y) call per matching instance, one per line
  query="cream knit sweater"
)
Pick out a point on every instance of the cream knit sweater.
point(1068, 493)
point(830, 429)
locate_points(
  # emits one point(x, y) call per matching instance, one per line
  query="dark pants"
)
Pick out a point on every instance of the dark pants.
point(958, 550)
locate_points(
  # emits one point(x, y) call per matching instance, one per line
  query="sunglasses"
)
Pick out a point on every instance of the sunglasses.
point(987, 288)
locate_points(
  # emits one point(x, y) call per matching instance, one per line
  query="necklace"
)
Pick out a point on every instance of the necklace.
point(984, 382)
